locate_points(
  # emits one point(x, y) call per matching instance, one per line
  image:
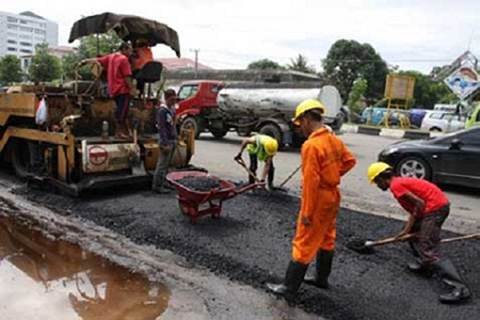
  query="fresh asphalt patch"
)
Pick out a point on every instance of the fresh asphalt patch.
point(251, 243)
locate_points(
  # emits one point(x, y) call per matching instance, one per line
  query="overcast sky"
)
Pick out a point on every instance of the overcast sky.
point(230, 34)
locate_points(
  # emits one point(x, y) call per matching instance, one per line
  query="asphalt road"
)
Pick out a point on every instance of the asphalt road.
point(217, 157)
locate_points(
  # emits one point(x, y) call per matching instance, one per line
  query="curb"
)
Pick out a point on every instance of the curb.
point(391, 133)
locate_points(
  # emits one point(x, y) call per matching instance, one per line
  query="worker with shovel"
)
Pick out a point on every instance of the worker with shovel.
point(260, 147)
point(325, 159)
point(428, 208)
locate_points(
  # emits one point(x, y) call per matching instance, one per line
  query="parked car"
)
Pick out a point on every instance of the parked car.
point(416, 117)
point(441, 121)
point(451, 159)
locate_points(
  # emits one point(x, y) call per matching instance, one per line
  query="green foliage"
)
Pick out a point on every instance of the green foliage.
point(264, 64)
point(348, 60)
point(10, 70)
point(429, 92)
point(359, 88)
point(300, 63)
point(107, 43)
point(44, 66)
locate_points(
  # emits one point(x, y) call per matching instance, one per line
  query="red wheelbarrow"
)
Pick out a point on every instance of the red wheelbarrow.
point(195, 204)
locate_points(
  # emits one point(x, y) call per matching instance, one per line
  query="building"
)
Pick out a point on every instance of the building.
point(178, 64)
point(21, 33)
point(58, 52)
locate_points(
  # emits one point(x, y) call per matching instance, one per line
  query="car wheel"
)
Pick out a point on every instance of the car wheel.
point(435, 129)
point(272, 131)
point(414, 167)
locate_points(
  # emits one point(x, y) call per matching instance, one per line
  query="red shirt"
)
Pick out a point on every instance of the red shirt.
point(433, 197)
point(118, 68)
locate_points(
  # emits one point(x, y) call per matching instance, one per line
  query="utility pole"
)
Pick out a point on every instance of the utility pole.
point(196, 61)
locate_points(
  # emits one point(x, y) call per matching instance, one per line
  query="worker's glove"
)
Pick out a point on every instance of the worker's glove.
point(238, 157)
point(261, 184)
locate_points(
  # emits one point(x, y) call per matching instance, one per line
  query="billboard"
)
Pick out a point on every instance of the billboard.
point(399, 87)
point(463, 82)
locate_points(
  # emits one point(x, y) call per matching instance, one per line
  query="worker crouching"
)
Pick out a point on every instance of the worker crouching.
point(428, 208)
point(260, 148)
point(325, 159)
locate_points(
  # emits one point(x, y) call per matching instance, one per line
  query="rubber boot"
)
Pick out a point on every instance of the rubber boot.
point(293, 279)
point(323, 265)
point(419, 268)
point(451, 276)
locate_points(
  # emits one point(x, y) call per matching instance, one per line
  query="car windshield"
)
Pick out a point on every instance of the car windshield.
point(448, 136)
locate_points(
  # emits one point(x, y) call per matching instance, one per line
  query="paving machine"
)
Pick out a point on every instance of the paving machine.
point(75, 149)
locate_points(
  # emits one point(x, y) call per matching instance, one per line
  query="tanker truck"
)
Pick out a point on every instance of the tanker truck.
point(210, 106)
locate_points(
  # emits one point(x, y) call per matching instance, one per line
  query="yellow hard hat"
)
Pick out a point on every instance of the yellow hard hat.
point(271, 146)
point(305, 106)
point(375, 169)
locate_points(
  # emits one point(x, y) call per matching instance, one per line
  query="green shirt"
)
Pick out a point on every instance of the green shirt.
point(258, 148)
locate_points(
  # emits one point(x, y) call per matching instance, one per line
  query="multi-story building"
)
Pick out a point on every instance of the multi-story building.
point(21, 33)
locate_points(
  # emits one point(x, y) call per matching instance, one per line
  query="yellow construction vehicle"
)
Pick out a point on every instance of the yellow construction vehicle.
point(74, 149)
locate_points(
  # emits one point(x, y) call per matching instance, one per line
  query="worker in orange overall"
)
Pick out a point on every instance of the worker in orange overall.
point(325, 159)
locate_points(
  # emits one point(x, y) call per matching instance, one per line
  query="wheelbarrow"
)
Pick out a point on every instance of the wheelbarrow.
point(195, 204)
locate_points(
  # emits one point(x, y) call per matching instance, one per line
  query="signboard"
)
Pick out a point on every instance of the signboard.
point(463, 82)
point(399, 87)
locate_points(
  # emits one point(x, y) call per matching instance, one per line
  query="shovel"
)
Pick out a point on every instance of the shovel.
point(289, 177)
point(366, 246)
point(250, 173)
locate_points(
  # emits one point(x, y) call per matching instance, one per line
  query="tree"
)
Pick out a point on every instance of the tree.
point(264, 64)
point(428, 92)
point(44, 66)
point(10, 70)
point(359, 88)
point(107, 43)
point(300, 63)
point(348, 60)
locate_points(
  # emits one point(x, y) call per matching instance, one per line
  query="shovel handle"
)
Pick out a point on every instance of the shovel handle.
point(250, 173)
point(389, 240)
point(466, 237)
point(290, 177)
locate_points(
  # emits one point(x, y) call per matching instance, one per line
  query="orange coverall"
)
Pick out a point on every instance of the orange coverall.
point(324, 160)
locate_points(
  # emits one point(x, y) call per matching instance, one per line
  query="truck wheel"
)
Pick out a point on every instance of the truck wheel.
point(219, 134)
point(21, 159)
point(272, 131)
point(192, 124)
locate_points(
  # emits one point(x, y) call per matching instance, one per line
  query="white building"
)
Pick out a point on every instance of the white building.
point(20, 33)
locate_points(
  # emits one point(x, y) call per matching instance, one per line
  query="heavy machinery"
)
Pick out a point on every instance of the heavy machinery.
point(246, 108)
point(75, 149)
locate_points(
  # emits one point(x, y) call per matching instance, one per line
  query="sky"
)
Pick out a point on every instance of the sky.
point(414, 35)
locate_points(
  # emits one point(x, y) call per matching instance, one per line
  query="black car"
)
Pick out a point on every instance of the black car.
point(451, 159)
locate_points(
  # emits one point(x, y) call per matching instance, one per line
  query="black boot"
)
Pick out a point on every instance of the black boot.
point(451, 276)
point(293, 279)
point(420, 268)
point(323, 268)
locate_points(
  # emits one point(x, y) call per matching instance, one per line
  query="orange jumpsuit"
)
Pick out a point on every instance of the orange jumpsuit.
point(324, 160)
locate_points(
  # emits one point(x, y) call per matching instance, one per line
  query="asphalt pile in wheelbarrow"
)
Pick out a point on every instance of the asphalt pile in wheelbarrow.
point(200, 183)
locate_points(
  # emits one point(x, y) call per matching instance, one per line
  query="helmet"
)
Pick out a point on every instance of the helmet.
point(271, 146)
point(305, 106)
point(375, 169)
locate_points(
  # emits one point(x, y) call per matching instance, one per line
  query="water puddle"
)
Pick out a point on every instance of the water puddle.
point(46, 279)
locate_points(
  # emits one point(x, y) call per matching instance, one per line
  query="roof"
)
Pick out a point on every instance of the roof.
point(31, 14)
point(173, 64)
